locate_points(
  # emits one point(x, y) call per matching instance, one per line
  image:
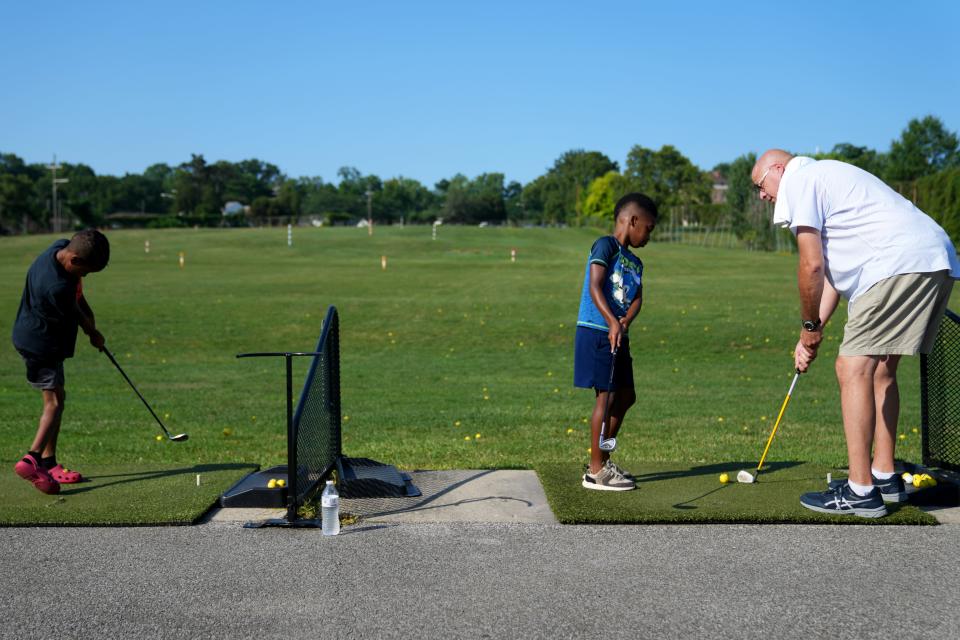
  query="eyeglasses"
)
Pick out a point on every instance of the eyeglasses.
point(759, 183)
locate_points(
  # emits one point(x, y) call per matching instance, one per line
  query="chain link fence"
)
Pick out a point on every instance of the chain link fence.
point(940, 397)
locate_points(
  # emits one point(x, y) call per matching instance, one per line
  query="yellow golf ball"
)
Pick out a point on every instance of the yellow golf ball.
point(724, 478)
point(228, 431)
point(159, 438)
point(272, 484)
point(281, 483)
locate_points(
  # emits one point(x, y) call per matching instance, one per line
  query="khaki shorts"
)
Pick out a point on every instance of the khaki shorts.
point(897, 316)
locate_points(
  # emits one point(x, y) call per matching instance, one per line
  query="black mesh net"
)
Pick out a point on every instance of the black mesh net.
point(940, 397)
point(316, 422)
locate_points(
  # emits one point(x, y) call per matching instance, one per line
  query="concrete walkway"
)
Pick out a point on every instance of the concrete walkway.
point(448, 496)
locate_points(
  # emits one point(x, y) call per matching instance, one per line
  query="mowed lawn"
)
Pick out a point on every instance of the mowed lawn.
point(453, 357)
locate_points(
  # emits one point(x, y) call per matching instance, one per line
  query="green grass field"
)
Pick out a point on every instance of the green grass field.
point(453, 357)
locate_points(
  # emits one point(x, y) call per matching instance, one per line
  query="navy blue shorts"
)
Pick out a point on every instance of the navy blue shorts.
point(592, 360)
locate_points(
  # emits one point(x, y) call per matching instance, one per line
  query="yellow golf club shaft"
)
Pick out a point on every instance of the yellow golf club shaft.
point(783, 408)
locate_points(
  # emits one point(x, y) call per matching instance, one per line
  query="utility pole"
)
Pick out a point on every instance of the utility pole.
point(369, 212)
point(55, 211)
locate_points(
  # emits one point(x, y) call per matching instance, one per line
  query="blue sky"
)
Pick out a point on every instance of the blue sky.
point(429, 89)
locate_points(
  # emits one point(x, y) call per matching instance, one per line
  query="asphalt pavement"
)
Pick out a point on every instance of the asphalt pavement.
point(470, 580)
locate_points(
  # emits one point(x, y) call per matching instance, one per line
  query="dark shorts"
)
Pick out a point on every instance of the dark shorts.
point(43, 374)
point(592, 360)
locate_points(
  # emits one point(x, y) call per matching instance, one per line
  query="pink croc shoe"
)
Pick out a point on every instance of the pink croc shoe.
point(32, 471)
point(64, 476)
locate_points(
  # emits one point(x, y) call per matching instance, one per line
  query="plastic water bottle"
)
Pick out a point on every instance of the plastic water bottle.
point(330, 510)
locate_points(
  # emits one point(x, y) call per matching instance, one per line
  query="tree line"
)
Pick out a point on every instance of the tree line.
point(580, 188)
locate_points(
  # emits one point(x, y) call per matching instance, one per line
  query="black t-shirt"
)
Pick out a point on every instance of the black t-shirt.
point(46, 324)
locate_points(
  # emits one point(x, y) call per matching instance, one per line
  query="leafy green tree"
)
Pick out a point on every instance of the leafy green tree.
point(322, 199)
point(667, 176)
point(78, 197)
point(353, 189)
point(938, 195)
point(18, 206)
point(601, 198)
point(20, 200)
point(402, 197)
point(751, 218)
point(513, 202)
point(253, 178)
point(864, 157)
point(555, 196)
point(924, 148)
point(478, 200)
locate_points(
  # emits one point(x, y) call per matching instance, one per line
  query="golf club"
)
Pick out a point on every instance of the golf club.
point(745, 476)
point(608, 444)
point(177, 438)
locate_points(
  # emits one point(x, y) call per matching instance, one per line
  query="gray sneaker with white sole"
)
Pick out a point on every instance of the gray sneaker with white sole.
point(607, 480)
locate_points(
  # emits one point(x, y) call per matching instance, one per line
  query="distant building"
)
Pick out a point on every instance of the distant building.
point(234, 208)
point(718, 195)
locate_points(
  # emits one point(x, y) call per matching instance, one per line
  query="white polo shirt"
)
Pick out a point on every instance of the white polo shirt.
point(869, 231)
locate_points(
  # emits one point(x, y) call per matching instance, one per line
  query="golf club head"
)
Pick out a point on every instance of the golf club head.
point(745, 477)
point(608, 444)
point(180, 437)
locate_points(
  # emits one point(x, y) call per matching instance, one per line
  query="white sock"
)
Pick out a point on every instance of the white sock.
point(860, 489)
point(881, 475)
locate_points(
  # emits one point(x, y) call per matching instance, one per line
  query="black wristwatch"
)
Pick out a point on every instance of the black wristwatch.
point(811, 325)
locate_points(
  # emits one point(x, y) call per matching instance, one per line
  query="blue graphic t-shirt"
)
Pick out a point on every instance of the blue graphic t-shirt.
point(620, 287)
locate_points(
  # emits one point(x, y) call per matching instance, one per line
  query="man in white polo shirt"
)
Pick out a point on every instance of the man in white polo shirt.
point(860, 239)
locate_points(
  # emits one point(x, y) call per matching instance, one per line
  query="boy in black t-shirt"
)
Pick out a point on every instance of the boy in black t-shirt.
point(45, 333)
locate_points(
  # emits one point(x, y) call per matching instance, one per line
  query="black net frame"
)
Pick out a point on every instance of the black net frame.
point(940, 397)
point(313, 441)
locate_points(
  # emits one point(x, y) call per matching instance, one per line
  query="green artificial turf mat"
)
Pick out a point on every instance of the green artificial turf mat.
point(689, 493)
point(121, 495)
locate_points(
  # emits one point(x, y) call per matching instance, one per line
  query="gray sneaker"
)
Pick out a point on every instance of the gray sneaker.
point(607, 480)
point(618, 469)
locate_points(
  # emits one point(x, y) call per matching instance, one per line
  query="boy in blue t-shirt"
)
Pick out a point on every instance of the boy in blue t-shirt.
point(611, 299)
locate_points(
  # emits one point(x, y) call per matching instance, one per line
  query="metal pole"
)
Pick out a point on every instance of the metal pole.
point(369, 212)
point(291, 446)
point(54, 209)
point(53, 202)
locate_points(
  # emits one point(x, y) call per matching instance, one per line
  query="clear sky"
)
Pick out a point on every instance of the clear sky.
point(430, 89)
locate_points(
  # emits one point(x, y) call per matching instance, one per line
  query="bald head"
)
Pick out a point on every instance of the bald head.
point(770, 157)
point(767, 172)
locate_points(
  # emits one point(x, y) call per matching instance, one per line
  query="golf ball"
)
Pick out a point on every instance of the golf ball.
point(907, 477)
point(272, 484)
point(724, 478)
point(228, 431)
point(281, 483)
point(159, 438)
